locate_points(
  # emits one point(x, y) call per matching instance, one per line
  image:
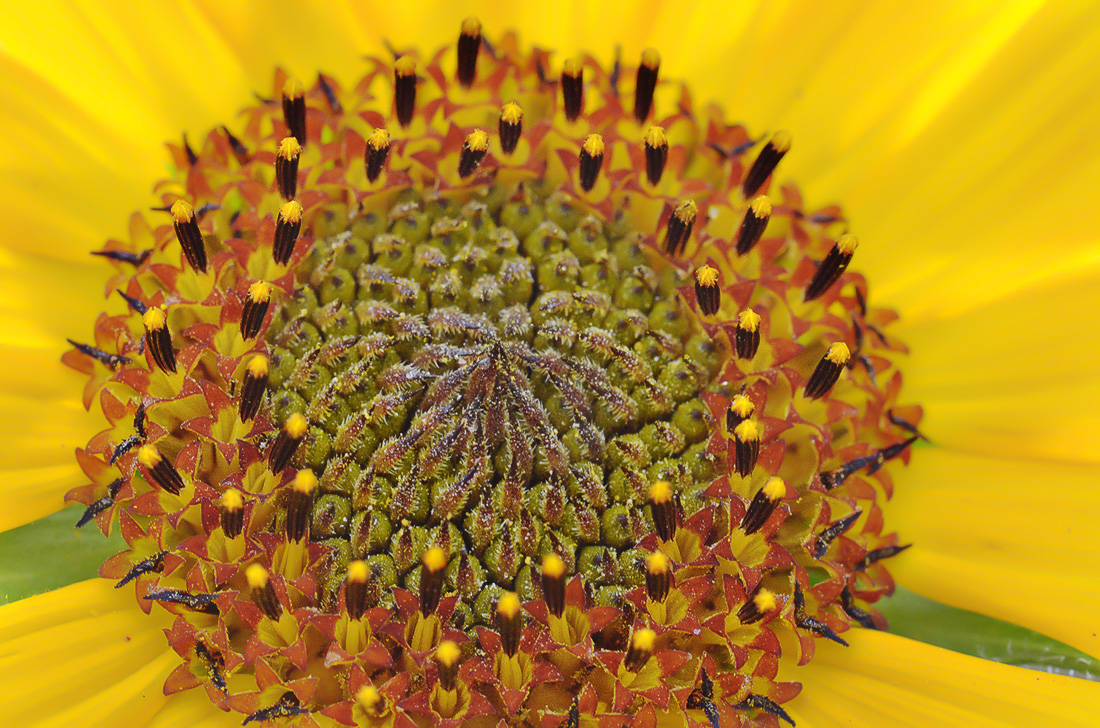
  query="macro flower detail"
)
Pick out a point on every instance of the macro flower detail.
point(484, 391)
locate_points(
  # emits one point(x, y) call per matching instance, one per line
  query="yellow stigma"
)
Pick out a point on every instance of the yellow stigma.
point(256, 576)
point(305, 481)
point(764, 601)
point(656, 563)
point(511, 113)
point(553, 566)
point(781, 140)
point(471, 26)
point(508, 605)
point(838, 353)
point(655, 137)
point(761, 206)
point(748, 320)
point(291, 211)
point(706, 276)
point(149, 456)
point(775, 489)
point(644, 640)
point(405, 66)
point(258, 366)
point(292, 89)
point(289, 148)
point(182, 211)
point(296, 426)
point(747, 430)
point(447, 653)
point(651, 58)
point(154, 318)
point(477, 140)
point(593, 144)
point(379, 139)
point(435, 559)
point(686, 211)
point(368, 697)
point(232, 500)
point(660, 492)
point(358, 572)
point(742, 405)
point(847, 243)
point(259, 291)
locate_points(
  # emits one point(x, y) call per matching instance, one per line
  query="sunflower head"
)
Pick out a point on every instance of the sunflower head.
point(527, 396)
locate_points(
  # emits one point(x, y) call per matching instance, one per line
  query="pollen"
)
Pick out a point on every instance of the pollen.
point(764, 600)
point(148, 456)
point(257, 576)
point(748, 320)
point(838, 353)
point(511, 113)
point(232, 500)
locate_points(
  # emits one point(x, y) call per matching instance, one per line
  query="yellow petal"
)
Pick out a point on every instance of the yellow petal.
point(886, 680)
point(192, 709)
point(82, 655)
point(1011, 539)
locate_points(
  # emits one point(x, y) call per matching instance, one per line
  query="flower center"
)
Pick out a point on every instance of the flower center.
point(579, 417)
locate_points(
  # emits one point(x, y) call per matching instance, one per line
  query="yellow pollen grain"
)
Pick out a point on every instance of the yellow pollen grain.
point(656, 563)
point(706, 276)
point(292, 89)
point(289, 148)
point(742, 405)
point(593, 145)
point(477, 140)
point(748, 320)
point(775, 489)
point(296, 426)
point(305, 481)
point(651, 58)
point(761, 207)
point(405, 66)
point(686, 211)
point(847, 243)
point(447, 653)
point(232, 500)
point(379, 139)
point(511, 113)
point(182, 211)
point(644, 640)
point(508, 605)
point(781, 141)
point(258, 366)
point(764, 600)
point(256, 576)
point(435, 559)
point(571, 67)
point(655, 137)
point(259, 291)
point(553, 566)
point(149, 456)
point(660, 492)
point(154, 318)
point(368, 697)
point(471, 26)
point(291, 212)
point(358, 572)
point(838, 353)
point(747, 430)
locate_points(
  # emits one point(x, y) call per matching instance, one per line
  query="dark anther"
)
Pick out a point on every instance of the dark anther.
point(847, 603)
point(161, 472)
point(835, 478)
point(286, 443)
point(330, 95)
point(192, 158)
point(404, 89)
point(859, 356)
point(878, 555)
point(124, 256)
point(821, 545)
point(658, 576)
point(904, 424)
point(469, 43)
point(763, 504)
point(357, 589)
point(159, 339)
point(759, 702)
point(231, 513)
point(124, 447)
point(616, 71)
point(153, 563)
point(254, 388)
point(753, 224)
point(263, 592)
point(572, 89)
point(255, 309)
point(189, 235)
point(827, 371)
point(646, 84)
point(765, 163)
point(94, 510)
point(740, 409)
point(887, 454)
point(573, 717)
point(747, 339)
point(656, 154)
point(664, 509)
point(139, 420)
point(286, 167)
point(757, 606)
point(680, 223)
point(431, 579)
point(473, 151)
point(240, 151)
point(702, 698)
point(510, 127)
point(294, 110)
point(288, 706)
point(830, 269)
point(287, 228)
point(205, 603)
point(591, 161)
point(553, 584)
point(804, 621)
point(111, 360)
point(378, 149)
point(540, 70)
point(299, 504)
point(214, 663)
point(135, 304)
point(746, 447)
point(641, 647)
point(509, 622)
point(707, 291)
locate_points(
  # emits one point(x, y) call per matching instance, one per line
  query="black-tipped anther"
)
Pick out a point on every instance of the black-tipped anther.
point(747, 336)
point(646, 84)
point(765, 163)
point(753, 224)
point(473, 151)
point(161, 472)
point(680, 224)
point(656, 154)
point(294, 110)
point(510, 127)
point(287, 227)
point(286, 167)
point(469, 43)
point(286, 443)
point(591, 161)
point(707, 291)
point(255, 309)
point(572, 89)
point(404, 89)
point(827, 371)
point(378, 149)
point(254, 387)
point(158, 339)
point(186, 225)
point(831, 268)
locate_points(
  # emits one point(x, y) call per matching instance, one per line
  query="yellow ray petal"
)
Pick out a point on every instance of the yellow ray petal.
point(82, 655)
point(1015, 376)
point(192, 709)
point(1012, 539)
point(886, 680)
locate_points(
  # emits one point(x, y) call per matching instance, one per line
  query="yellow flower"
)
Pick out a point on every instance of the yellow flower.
point(959, 142)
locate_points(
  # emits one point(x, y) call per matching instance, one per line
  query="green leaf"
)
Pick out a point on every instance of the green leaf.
point(928, 621)
point(50, 553)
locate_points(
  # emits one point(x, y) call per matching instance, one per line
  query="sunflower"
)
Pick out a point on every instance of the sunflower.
point(293, 558)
